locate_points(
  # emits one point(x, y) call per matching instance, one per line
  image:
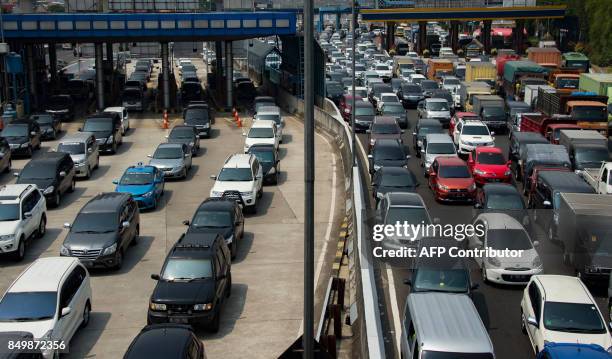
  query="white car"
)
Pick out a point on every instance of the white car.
point(386, 97)
point(470, 134)
point(123, 114)
point(560, 309)
point(240, 178)
point(417, 78)
point(501, 232)
point(261, 132)
point(384, 71)
point(50, 299)
point(272, 113)
point(23, 216)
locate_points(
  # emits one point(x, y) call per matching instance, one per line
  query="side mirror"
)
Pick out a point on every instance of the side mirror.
point(65, 311)
point(536, 243)
point(547, 204)
point(368, 131)
point(213, 177)
point(27, 214)
point(532, 321)
point(478, 205)
point(370, 156)
point(414, 133)
point(155, 276)
point(115, 181)
point(422, 150)
point(244, 134)
point(150, 156)
point(402, 131)
point(33, 133)
point(16, 174)
point(509, 163)
point(407, 282)
point(186, 222)
point(90, 150)
point(67, 225)
point(125, 224)
point(62, 174)
point(492, 133)
point(407, 157)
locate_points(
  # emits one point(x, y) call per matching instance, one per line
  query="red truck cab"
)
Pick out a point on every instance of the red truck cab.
point(552, 132)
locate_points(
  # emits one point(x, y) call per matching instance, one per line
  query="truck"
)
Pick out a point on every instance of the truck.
point(531, 93)
point(549, 57)
point(502, 59)
point(514, 71)
point(467, 90)
point(600, 84)
point(479, 71)
point(586, 148)
point(436, 68)
point(599, 178)
point(491, 109)
point(584, 224)
point(564, 81)
point(402, 62)
point(576, 60)
point(539, 155)
point(586, 108)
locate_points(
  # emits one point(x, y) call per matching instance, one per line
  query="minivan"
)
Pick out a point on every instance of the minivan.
point(53, 173)
point(83, 150)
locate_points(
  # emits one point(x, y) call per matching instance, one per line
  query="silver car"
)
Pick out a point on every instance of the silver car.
point(173, 159)
point(436, 108)
point(83, 150)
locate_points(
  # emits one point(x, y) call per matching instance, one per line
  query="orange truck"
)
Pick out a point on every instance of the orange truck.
point(564, 80)
point(549, 57)
point(437, 68)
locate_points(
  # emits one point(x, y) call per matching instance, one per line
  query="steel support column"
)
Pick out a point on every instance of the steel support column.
point(321, 25)
point(229, 75)
point(390, 36)
point(338, 22)
point(485, 36)
point(53, 63)
point(218, 68)
point(165, 75)
point(422, 43)
point(454, 34)
point(519, 36)
point(30, 61)
point(99, 75)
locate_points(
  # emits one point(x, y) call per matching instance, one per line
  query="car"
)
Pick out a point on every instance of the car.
point(502, 232)
point(51, 299)
point(144, 183)
point(272, 113)
point(428, 87)
point(199, 118)
point(451, 180)
point(469, 135)
point(436, 108)
point(168, 341)
point(334, 90)
point(503, 198)
point(488, 164)
point(435, 145)
point(49, 125)
point(384, 127)
point(187, 135)
point(23, 217)
point(219, 215)
point(386, 97)
point(396, 110)
point(423, 127)
point(194, 282)
point(558, 308)
point(410, 95)
point(261, 132)
point(262, 101)
point(393, 179)
point(190, 91)
point(416, 78)
point(458, 117)
point(572, 351)
point(387, 153)
point(107, 129)
point(123, 115)
point(103, 230)
point(83, 150)
point(402, 207)
point(133, 96)
point(173, 159)
point(384, 71)
point(364, 115)
point(61, 106)
point(345, 105)
point(376, 92)
point(240, 179)
point(23, 137)
point(269, 160)
point(53, 172)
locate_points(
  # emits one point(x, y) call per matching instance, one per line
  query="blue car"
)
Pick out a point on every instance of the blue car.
point(144, 183)
point(573, 351)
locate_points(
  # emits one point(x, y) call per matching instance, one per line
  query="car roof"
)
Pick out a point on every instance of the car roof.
point(200, 244)
point(263, 123)
point(563, 288)
point(141, 169)
point(500, 221)
point(217, 203)
point(565, 181)
point(48, 157)
point(76, 137)
point(449, 323)
point(12, 192)
point(532, 136)
point(506, 188)
point(170, 144)
point(438, 138)
point(43, 275)
point(387, 142)
point(105, 202)
point(114, 109)
point(405, 199)
point(160, 340)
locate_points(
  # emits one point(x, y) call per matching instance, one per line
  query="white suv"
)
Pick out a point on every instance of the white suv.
point(241, 178)
point(471, 134)
point(50, 299)
point(23, 216)
point(560, 309)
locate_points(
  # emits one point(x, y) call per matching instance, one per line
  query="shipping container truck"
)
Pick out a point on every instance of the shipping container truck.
point(514, 71)
point(501, 60)
point(479, 71)
point(491, 109)
point(531, 93)
point(549, 57)
point(599, 178)
point(401, 62)
point(586, 148)
point(601, 84)
point(437, 68)
point(576, 60)
point(584, 227)
point(564, 82)
point(588, 109)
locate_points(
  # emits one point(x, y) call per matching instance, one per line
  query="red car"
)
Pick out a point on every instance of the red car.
point(345, 104)
point(458, 116)
point(488, 164)
point(450, 180)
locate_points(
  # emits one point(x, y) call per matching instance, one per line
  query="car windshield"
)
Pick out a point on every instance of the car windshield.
point(132, 95)
point(9, 212)
point(137, 178)
point(389, 98)
point(103, 222)
point(415, 215)
point(27, 306)
point(179, 269)
point(441, 148)
point(475, 131)
point(166, 153)
point(573, 318)
point(491, 158)
point(437, 106)
point(264, 156)
point(388, 153)
point(42, 119)
point(199, 115)
point(74, 148)
point(382, 68)
point(504, 201)
point(460, 171)
point(512, 239)
point(182, 133)
point(451, 82)
point(212, 219)
point(412, 89)
point(235, 174)
point(393, 108)
point(398, 180)
point(494, 112)
point(385, 129)
point(364, 111)
point(427, 354)
point(98, 125)
point(441, 280)
point(592, 156)
point(259, 132)
point(14, 130)
point(567, 83)
point(37, 170)
point(430, 129)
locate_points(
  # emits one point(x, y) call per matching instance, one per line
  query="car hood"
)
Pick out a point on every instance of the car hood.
point(197, 292)
point(456, 183)
point(9, 227)
point(241, 186)
point(497, 169)
point(438, 113)
point(166, 162)
point(134, 190)
point(194, 232)
point(604, 340)
point(365, 118)
point(476, 139)
point(78, 158)
point(17, 139)
point(391, 163)
point(89, 240)
point(41, 183)
point(524, 261)
point(101, 134)
point(266, 167)
point(38, 328)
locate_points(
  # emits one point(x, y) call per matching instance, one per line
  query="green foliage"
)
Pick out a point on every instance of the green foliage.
point(56, 8)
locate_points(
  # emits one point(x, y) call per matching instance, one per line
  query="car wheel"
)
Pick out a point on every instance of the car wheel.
point(214, 324)
point(276, 178)
point(86, 315)
point(184, 175)
point(20, 252)
point(228, 290)
point(72, 186)
point(136, 236)
point(88, 173)
point(483, 271)
point(119, 260)
point(97, 162)
point(54, 136)
point(234, 248)
point(8, 167)
point(523, 327)
point(42, 227)
point(57, 199)
point(30, 151)
point(252, 209)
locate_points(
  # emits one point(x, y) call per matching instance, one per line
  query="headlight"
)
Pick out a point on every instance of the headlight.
point(206, 125)
point(377, 167)
point(64, 251)
point(24, 145)
point(480, 172)
point(609, 350)
point(246, 194)
point(48, 190)
point(216, 194)
point(109, 250)
point(346, 110)
point(229, 239)
point(472, 187)
point(203, 307)
point(537, 262)
point(508, 173)
point(178, 168)
point(157, 306)
point(372, 141)
point(7, 237)
point(110, 138)
point(465, 143)
point(443, 187)
point(148, 194)
point(493, 261)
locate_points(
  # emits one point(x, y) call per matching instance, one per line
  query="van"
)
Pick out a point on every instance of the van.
point(434, 145)
point(133, 99)
point(83, 150)
point(443, 325)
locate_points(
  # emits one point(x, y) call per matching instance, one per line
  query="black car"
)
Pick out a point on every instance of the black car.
point(53, 173)
point(410, 95)
point(270, 163)
point(185, 134)
point(429, 86)
point(388, 153)
point(194, 282)
point(364, 115)
point(219, 215)
point(334, 90)
point(198, 117)
point(245, 92)
point(61, 106)
point(23, 137)
point(107, 129)
point(50, 126)
point(5, 155)
point(103, 230)
point(424, 127)
point(393, 179)
point(166, 341)
point(396, 110)
point(503, 198)
point(191, 91)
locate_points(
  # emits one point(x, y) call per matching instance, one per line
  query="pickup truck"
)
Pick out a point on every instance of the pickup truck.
point(599, 178)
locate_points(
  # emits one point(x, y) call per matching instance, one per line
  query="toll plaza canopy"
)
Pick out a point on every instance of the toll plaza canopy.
point(103, 27)
point(465, 14)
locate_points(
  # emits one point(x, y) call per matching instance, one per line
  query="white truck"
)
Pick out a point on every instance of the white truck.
point(599, 178)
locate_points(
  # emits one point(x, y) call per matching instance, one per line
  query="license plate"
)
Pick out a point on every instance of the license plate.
point(87, 264)
point(178, 320)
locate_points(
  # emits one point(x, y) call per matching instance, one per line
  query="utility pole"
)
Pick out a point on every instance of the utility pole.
point(354, 32)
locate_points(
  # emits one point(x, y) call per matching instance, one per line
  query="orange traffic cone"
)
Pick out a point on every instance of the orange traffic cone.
point(165, 122)
point(237, 118)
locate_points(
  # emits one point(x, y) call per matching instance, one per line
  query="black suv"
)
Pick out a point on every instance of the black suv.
point(198, 116)
point(388, 153)
point(194, 282)
point(270, 163)
point(23, 136)
point(219, 215)
point(61, 106)
point(103, 230)
point(53, 173)
point(50, 126)
point(107, 128)
point(168, 341)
